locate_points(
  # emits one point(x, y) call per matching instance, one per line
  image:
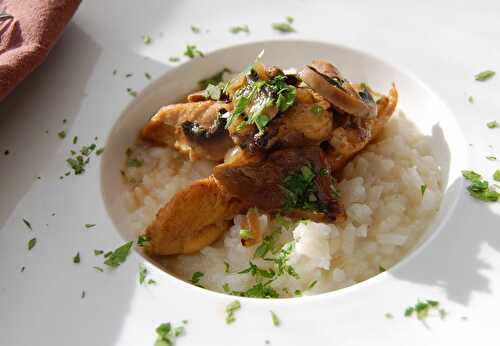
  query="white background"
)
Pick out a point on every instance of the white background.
point(444, 43)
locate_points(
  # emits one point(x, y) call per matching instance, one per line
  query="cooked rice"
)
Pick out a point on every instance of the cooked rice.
point(381, 190)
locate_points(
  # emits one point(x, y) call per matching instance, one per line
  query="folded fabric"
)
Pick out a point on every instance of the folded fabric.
point(28, 30)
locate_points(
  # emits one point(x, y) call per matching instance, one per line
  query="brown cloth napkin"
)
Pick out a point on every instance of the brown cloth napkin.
point(27, 37)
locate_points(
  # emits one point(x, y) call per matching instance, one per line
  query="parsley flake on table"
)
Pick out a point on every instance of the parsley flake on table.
point(484, 75)
point(275, 319)
point(231, 309)
point(147, 39)
point(119, 255)
point(192, 52)
point(239, 28)
point(61, 134)
point(31, 243)
point(166, 335)
point(76, 258)
point(28, 224)
point(479, 188)
point(492, 124)
point(422, 309)
point(284, 27)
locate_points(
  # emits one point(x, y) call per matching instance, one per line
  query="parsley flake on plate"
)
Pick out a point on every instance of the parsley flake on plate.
point(147, 75)
point(491, 158)
point(76, 258)
point(231, 309)
point(143, 272)
point(239, 28)
point(275, 319)
point(423, 188)
point(195, 279)
point(215, 79)
point(61, 134)
point(389, 316)
point(128, 75)
point(142, 240)
point(166, 334)
point(422, 309)
point(131, 92)
point(192, 51)
point(31, 243)
point(28, 224)
point(496, 175)
point(484, 75)
point(195, 29)
point(89, 225)
point(284, 27)
point(470, 99)
point(174, 59)
point(98, 252)
point(119, 255)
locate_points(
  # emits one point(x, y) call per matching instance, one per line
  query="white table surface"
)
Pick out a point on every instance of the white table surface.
point(444, 43)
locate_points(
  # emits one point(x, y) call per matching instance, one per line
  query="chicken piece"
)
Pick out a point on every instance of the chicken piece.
point(307, 122)
point(294, 181)
point(356, 133)
point(194, 218)
point(196, 129)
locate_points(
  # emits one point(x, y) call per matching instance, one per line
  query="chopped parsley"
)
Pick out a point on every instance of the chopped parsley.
point(423, 188)
point(151, 282)
point(389, 316)
point(316, 109)
point(195, 279)
point(421, 309)
point(239, 28)
point(284, 27)
point(99, 151)
point(89, 225)
point(311, 285)
point(231, 309)
point(275, 319)
point(192, 52)
point(147, 39)
point(174, 59)
point(491, 158)
point(83, 294)
point(76, 258)
point(143, 272)
point(119, 255)
point(479, 188)
point(289, 19)
point(470, 99)
point(61, 134)
point(166, 335)
point(31, 243)
point(114, 72)
point(28, 224)
point(381, 269)
point(267, 93)
point(492, 124)
point(147, 75)
point(128, 75)
point(134, 163)
point(98, 252)
point(484, 75)
point(214, 79)
point(195, 29)
point(226, 267)
point(245, 234)
point(300, 191)
point(131, 92)
point(496, 175)
point(142, 240)
point(99, 269)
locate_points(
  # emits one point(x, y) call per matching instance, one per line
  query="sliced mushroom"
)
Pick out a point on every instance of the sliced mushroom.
point(325, 79)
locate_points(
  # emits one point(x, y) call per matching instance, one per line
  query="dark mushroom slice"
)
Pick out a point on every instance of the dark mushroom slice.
point(325, 79)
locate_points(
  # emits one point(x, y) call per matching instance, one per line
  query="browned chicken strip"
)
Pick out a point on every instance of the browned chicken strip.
point(355, 134)
point(195, 129)
point(294, 181)
point(194, 218)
